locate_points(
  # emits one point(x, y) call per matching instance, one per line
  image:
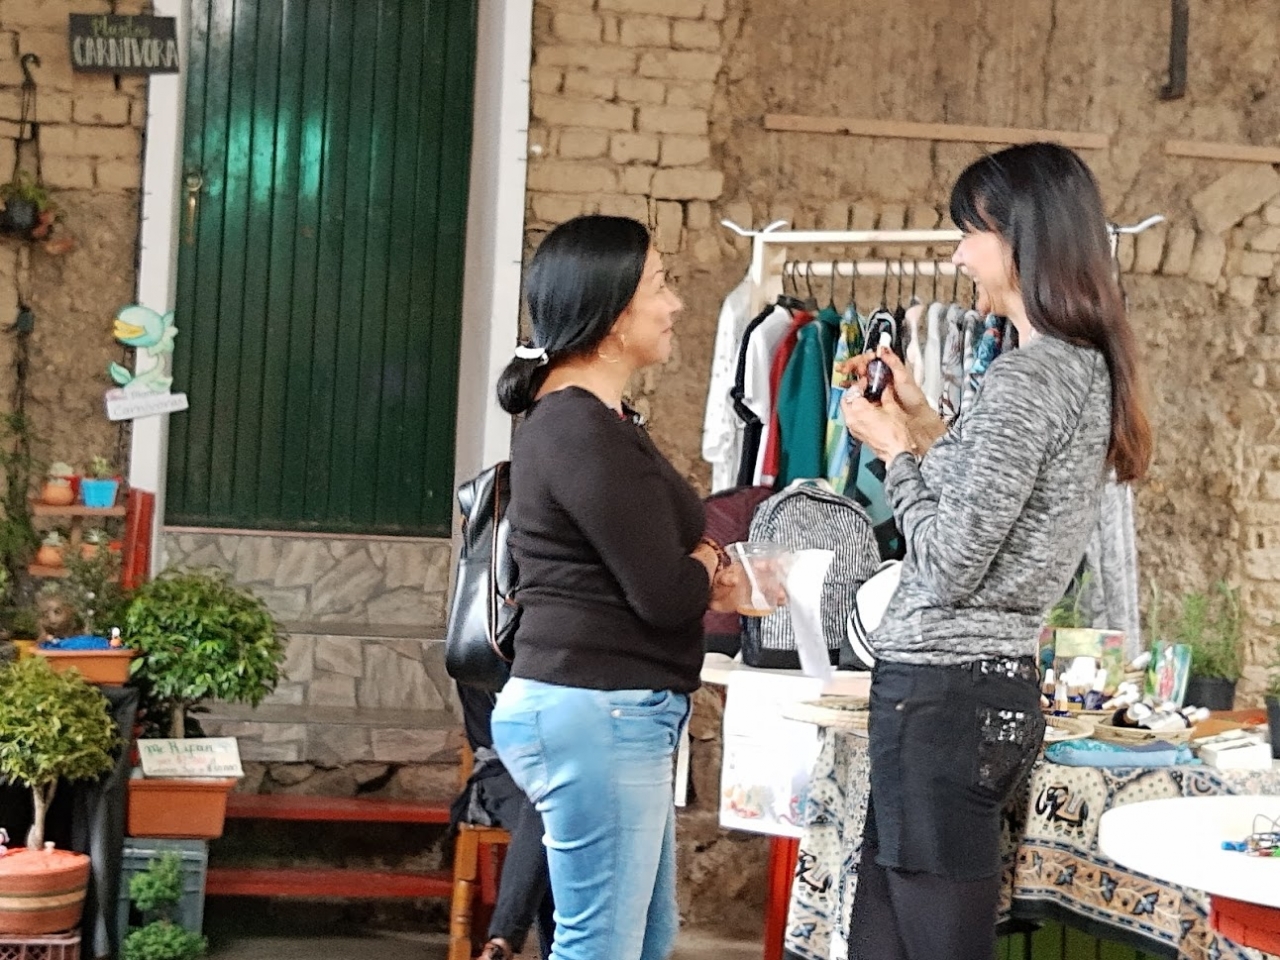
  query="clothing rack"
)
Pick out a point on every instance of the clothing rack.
point(766, 265)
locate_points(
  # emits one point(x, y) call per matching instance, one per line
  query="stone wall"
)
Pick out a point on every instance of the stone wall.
point(91, 139)
point(629, 94)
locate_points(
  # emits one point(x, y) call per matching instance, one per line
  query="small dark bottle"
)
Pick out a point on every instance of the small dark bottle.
point(879, 376)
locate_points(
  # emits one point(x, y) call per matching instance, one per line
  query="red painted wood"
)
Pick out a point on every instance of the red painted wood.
point(783, 854)
point(275, 806)
point(353, 884)
point(1248, 924)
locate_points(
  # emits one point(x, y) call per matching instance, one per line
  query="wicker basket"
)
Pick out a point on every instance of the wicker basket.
point(54, 946)
point(1137, 736)
point(841, 713)
point(1061, 729)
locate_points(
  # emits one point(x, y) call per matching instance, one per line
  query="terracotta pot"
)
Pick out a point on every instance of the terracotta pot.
point(58, 493)
point(41, 892)
point(193, 809)
point(48, 556)
point(104, 667)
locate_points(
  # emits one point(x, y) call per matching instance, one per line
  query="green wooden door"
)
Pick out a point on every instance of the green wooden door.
point(320, 267)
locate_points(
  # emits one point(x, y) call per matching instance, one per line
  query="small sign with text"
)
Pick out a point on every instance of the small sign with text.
point(197, 757)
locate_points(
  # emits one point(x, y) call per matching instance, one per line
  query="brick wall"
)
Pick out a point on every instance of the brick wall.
point(630, 95)
point(91, 140)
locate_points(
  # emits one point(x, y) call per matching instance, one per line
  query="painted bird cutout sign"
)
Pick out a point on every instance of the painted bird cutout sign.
point(145, 391)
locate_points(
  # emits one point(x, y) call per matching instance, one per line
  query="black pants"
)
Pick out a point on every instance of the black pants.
point(912, 915)
point(524, 893)
point(949, 745)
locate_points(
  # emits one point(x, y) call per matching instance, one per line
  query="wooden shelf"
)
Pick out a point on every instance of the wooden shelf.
point(36, 570)
point(39, 509)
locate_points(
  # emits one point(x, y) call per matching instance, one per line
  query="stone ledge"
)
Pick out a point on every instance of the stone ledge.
point(426, 632)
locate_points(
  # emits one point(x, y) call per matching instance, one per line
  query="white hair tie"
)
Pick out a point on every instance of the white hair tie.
point(531, 353)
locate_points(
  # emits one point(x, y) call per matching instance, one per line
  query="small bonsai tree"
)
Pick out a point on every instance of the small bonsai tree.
point(156, 892)
point(93, 585)
point(202, 637)
point(52, 726)
point(1210, 624)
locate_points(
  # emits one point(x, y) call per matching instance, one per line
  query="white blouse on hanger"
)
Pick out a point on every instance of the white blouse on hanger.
point(721, 433)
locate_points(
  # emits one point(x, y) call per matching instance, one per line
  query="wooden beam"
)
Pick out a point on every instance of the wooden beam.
point(325, 882)
point(1206, 150)
point(904, 130)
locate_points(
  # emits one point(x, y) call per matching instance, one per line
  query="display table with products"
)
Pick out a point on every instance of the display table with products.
point(88, 818)
point(717, 670)
point(1053, 867)
point(1180, 840)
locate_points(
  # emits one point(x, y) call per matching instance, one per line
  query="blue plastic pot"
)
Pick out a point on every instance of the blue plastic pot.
point(99, 494)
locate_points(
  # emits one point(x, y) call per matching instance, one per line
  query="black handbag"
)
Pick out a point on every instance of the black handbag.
point(480, 636)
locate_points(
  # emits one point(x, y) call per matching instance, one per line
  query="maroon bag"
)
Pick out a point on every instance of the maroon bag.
point(729, 515)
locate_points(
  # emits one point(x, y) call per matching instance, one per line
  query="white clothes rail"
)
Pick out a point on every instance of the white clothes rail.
point(773, 235)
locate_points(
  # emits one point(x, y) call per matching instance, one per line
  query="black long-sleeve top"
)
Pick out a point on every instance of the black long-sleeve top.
point(601, 531)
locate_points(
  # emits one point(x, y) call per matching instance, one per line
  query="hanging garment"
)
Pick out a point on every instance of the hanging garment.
point(750, 390)
point(913, 340)
point(777, 367)
point(721, 428)
point(987, 340)
point(803, 399)
point(952, 362)
point(1112, 558)
point(867, 489)
point(839, 444)
point(933, 334)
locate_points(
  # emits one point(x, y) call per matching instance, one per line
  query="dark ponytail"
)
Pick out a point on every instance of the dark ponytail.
point(1045, 203)
point(519, 383)
point(581, 278)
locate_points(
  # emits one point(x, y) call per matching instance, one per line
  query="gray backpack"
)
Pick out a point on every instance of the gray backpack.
point(809, 516)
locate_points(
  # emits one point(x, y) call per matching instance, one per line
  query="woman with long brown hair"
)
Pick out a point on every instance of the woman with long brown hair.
point(995, 510)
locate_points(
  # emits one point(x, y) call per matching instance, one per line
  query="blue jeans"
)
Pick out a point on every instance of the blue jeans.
point(597, 764)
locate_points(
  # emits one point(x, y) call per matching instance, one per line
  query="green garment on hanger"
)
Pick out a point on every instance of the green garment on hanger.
point(802, 400)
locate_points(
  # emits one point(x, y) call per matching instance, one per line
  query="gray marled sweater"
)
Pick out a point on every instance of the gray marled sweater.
point(997, 514)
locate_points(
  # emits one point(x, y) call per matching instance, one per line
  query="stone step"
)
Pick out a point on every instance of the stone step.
point(332, 736)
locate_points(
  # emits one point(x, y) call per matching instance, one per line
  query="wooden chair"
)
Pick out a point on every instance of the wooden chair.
point(477, 865)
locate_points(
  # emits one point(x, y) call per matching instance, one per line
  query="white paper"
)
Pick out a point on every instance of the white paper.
point(764, 779)
point(807, 573)
point(194, 757)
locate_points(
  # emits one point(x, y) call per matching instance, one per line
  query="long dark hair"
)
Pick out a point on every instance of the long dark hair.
point(1045, 203)
point(583, 275)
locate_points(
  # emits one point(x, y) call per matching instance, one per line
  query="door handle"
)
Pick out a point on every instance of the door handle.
point(194, 183)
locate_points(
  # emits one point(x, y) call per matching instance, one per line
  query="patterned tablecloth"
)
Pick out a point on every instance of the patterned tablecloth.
point(1051, 861)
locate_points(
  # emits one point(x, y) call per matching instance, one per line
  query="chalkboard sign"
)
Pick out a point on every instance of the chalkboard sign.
point(196, 757)
point(111, 43)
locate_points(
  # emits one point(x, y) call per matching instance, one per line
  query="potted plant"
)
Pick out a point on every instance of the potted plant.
point(52, 726)
point(98, 488)
point(200, 637)
point(156, 893)
point(28, 211)
point(52, 550)
point(1210, 624)
point(95, 542)
point(77, 615)
point(57, 490)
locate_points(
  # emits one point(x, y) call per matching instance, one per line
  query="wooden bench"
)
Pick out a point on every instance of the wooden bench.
point(326, 881)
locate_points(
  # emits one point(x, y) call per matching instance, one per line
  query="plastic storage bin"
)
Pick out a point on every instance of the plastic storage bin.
point(139, 852)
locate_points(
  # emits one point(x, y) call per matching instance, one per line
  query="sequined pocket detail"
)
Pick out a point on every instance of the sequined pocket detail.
point(1008, 741)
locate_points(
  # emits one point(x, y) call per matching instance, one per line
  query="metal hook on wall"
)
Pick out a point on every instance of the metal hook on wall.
point(28, 61)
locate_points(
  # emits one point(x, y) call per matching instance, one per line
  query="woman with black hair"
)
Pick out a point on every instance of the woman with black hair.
point(995, 511)
point(614, 578)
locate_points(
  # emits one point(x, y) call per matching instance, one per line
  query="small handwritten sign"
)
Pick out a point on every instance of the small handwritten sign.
point(122, 405)
point(110, 43)
point(198, 757)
